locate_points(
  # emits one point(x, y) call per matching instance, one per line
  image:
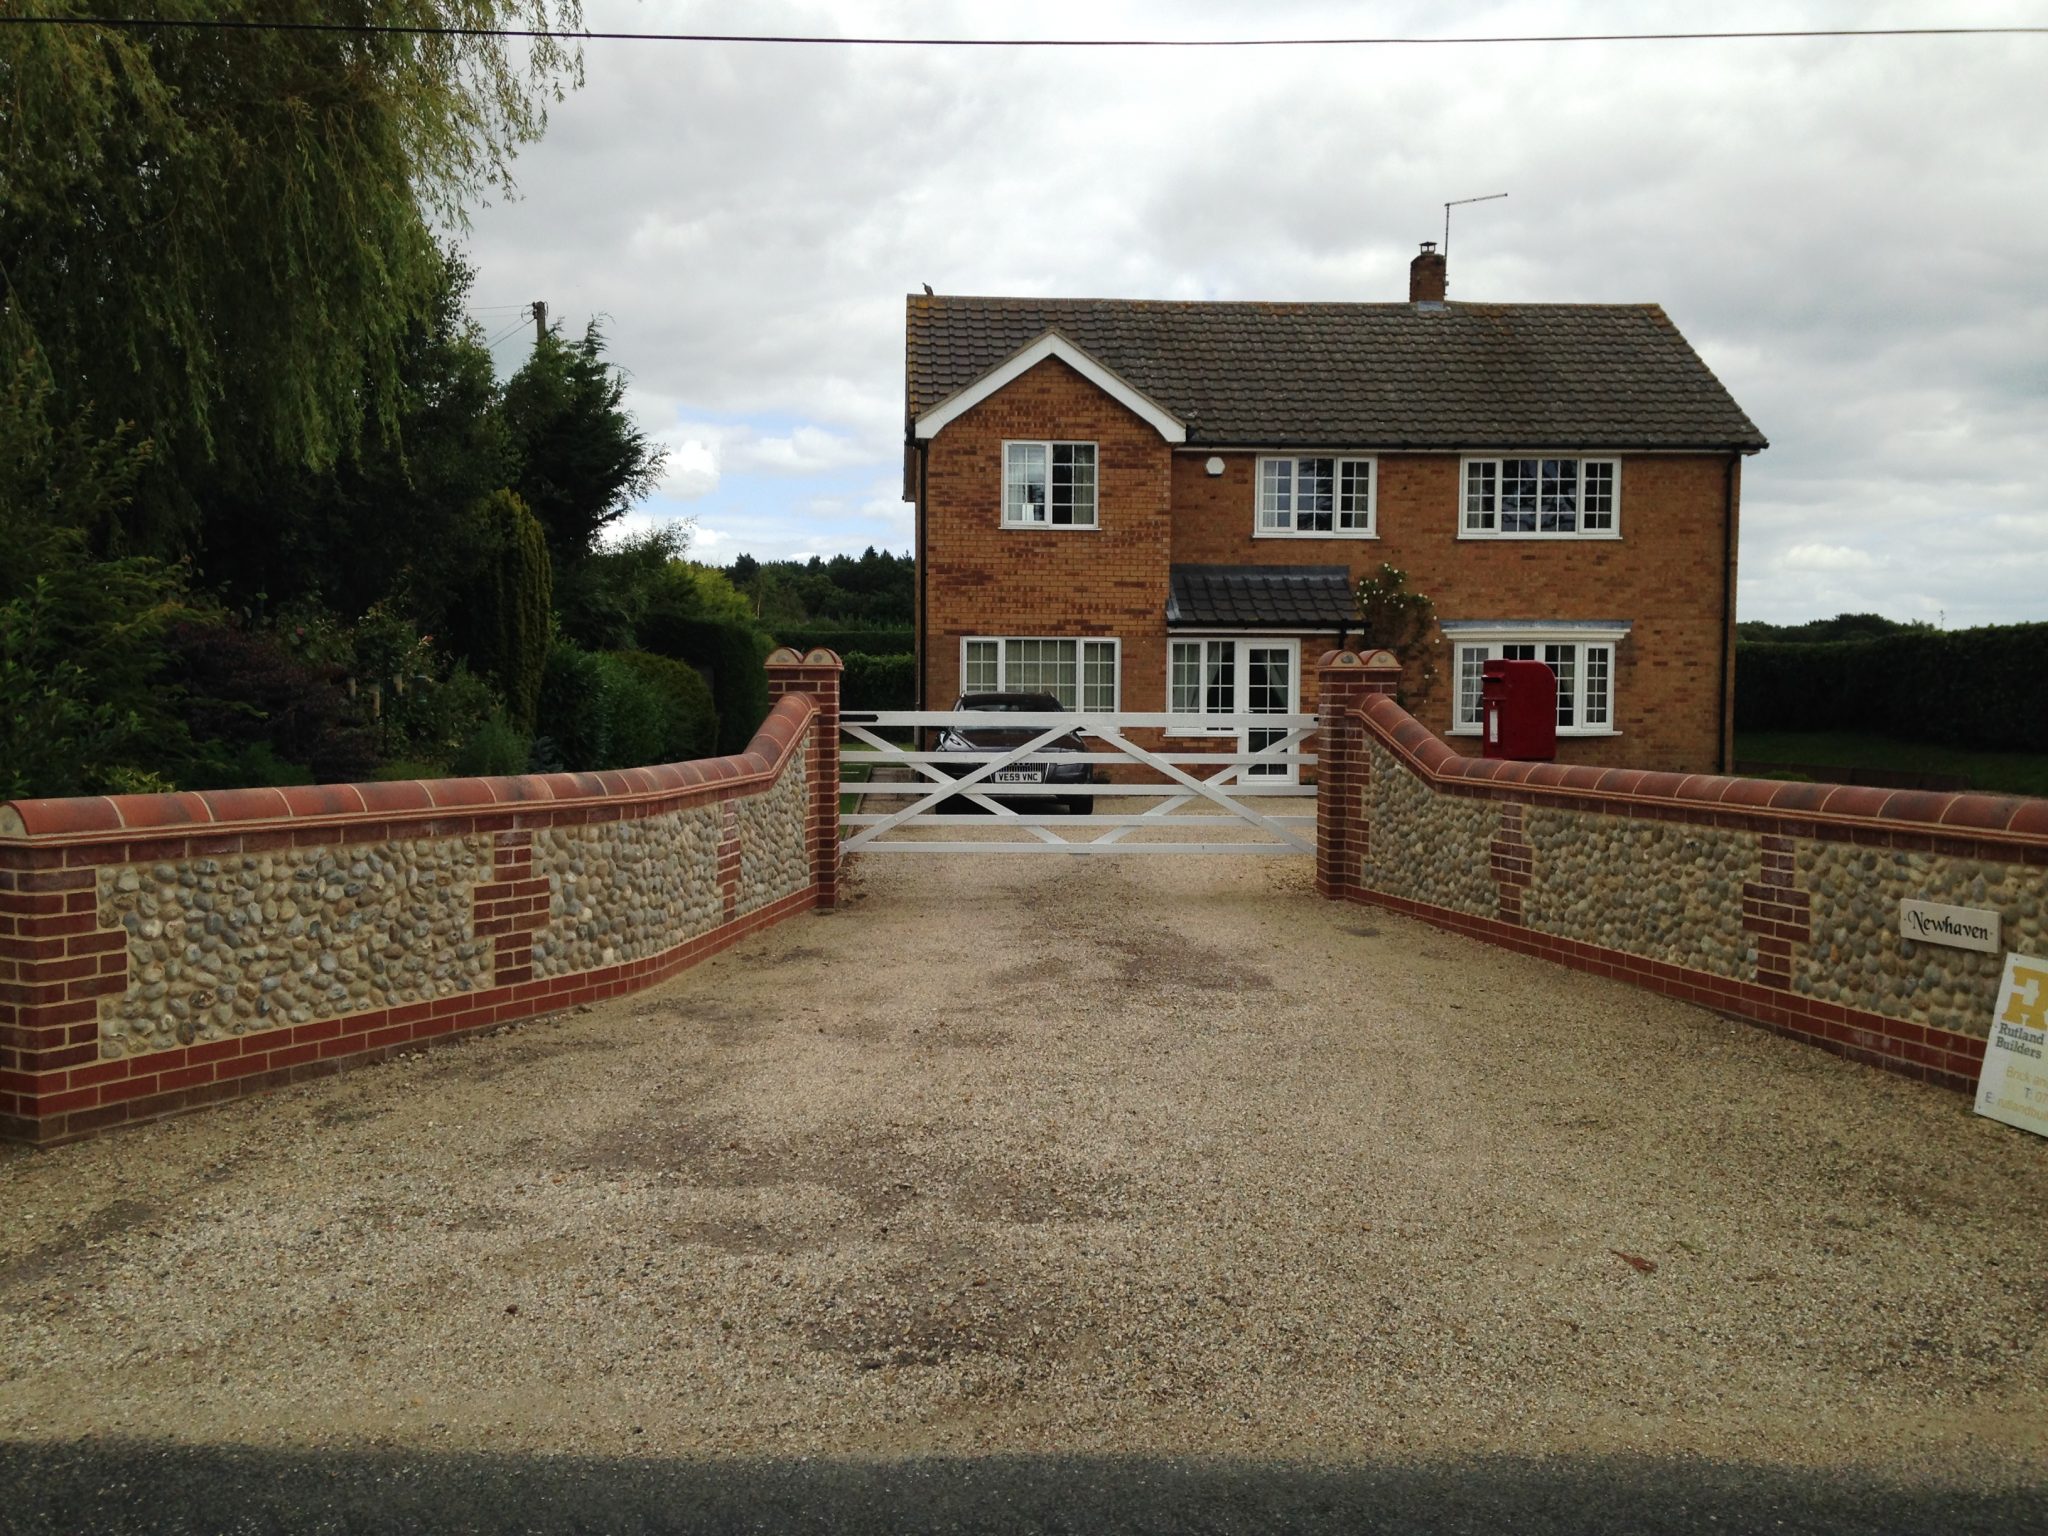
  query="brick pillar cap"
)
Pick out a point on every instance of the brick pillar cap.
point(787, 656)
point(1371, 661)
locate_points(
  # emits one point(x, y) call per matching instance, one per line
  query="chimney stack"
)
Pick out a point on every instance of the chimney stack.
point(1426, 280)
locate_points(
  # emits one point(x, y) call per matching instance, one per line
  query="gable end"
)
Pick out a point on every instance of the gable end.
point(1052, 344)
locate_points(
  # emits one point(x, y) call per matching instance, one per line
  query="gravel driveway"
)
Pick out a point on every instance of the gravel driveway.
point(1158, 1158)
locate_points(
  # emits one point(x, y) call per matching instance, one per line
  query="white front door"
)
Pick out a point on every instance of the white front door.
point(1270, 686)
point(1247, 675)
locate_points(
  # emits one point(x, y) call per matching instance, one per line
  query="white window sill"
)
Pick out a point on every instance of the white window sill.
point(1052, 527)
point(1539, 538)
point(1579, 734)
point(1288, 533)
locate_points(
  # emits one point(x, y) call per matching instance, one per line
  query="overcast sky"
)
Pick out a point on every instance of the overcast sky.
point(1853, 234)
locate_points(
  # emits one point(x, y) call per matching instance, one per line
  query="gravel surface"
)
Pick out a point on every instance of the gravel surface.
point(1157, 1158)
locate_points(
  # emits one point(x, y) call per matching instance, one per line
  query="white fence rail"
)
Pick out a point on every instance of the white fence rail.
point(1245, 801)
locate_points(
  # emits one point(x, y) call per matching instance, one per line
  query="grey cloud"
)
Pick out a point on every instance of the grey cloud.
point(1848, 232)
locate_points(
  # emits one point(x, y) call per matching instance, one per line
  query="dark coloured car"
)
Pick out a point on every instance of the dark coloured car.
point(1043, 767)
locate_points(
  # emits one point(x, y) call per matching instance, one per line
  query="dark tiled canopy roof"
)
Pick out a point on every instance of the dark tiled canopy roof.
point(1361, 375)
point(1314, 599)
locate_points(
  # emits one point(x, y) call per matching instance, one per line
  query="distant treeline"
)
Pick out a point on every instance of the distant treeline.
point(872, 590)
point(862, 607)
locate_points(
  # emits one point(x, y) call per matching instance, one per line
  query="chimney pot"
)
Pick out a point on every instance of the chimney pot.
point(1426, 278)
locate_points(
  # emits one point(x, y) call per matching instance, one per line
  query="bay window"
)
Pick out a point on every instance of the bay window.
point(1581, 657)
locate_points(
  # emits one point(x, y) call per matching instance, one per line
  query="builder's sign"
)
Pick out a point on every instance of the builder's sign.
point(2014, 1085)
point(1964, 927)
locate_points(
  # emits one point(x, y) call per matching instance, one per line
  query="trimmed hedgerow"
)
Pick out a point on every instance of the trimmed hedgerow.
point(1979, 688)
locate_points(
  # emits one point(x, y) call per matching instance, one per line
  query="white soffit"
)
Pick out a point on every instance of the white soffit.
point(1052, 344)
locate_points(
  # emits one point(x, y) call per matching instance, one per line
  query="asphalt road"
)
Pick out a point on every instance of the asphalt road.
point(112, 1488)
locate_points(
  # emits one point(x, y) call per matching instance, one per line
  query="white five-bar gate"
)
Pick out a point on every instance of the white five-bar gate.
point(1250, 800)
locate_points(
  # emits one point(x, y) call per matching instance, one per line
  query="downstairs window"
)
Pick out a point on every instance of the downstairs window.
point(1081, 674)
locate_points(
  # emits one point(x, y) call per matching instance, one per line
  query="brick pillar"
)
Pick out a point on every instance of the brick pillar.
point(56, 963)
point(1344, 680)
point(817, 673)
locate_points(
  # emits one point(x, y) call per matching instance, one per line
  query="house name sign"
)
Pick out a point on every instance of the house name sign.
point(1963, 927)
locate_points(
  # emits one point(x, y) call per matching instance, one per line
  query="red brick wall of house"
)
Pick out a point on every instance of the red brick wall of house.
point(1160, 507)
point(1663, 575)
point(985, 579)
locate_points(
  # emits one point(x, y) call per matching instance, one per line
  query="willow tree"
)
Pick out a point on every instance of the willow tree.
point(222, 238)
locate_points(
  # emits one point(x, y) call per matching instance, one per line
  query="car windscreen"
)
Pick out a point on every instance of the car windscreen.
point(1010, 704)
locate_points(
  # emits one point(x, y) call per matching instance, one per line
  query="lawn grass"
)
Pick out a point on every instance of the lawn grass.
point(2010, 773)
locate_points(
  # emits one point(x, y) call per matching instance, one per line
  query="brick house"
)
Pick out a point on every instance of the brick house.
point(1166, 506)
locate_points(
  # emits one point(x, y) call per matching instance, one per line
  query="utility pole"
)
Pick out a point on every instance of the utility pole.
point(540, 321)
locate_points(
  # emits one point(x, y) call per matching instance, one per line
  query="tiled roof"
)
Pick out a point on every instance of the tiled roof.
point(1361, 375)
point(1316, 599)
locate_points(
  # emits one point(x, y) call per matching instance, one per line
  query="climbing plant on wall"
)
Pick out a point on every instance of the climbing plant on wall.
point(1393, 618)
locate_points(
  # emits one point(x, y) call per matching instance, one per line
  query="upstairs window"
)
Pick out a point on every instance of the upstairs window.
point(1552, 498)
point(1318, 498)
point(1048, 485)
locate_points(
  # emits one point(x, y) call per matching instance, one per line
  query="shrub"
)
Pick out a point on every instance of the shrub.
point(80, 650)
point(619, 710)
point(878, 682)
point(509, 612)
point(244, 690)
point(496, 747)
point(730, 656)
point(574, 714)
point(688, 721)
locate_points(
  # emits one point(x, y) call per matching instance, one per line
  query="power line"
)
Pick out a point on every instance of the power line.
point(371, 29)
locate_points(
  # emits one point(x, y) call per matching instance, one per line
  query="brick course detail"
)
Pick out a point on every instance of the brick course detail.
point(161, 953)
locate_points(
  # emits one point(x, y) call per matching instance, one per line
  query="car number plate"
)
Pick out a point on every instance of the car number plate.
point(1018, 776)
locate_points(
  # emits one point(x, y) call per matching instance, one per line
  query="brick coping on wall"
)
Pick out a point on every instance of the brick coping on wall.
point(56, 962)
point(2009, 827)
point(373, 811)
point(1359, 700)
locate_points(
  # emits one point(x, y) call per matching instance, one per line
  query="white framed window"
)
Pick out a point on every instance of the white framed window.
point(1081, 674)
point(1541, 497)
point(1235, 675)
point(1317, 498)
point(1049, 485)
point(1581, 656)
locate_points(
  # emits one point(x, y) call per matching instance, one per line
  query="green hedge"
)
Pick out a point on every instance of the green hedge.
point(1985, 689)
point(677, 722)
point(730, 657)
point(620, 709)
point(878, 682)
point(869, 642)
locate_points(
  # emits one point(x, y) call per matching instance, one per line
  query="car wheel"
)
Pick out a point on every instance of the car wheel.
point(1083, 805)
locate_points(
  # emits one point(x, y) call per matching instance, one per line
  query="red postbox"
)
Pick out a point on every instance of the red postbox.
point(1519, 700)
